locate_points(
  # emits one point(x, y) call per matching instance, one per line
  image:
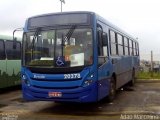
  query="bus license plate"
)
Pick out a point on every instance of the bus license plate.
point(55, 94)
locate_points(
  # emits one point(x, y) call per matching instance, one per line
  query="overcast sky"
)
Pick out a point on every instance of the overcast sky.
point(140, 18)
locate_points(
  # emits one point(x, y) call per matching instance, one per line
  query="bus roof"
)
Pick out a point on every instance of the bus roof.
point(114, 27)
point(103, 20)
point(57, 13)
point(7, 37)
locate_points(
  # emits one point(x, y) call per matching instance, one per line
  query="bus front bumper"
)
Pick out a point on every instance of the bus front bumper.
point(80, 94)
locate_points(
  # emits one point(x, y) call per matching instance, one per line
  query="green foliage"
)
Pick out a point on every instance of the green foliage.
point(7, 81)
point(41, 63)
point(148, 75)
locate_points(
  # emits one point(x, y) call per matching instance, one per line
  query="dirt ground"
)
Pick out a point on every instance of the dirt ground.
point(141, 102)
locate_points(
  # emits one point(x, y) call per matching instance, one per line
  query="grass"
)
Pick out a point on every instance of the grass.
point(148, 75)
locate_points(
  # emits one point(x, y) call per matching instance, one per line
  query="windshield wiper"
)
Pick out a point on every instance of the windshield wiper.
point(67, 36)
point(70, 32)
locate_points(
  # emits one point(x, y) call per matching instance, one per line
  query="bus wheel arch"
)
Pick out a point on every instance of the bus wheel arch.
point(114, 76)
point(132, 82)
point(112, 90)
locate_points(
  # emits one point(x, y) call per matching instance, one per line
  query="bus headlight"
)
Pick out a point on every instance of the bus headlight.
point(87, 83)
point(89, 80)
point(25, 80)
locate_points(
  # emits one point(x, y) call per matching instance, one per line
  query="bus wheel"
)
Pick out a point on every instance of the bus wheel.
point(132, 82)
point(112, 91)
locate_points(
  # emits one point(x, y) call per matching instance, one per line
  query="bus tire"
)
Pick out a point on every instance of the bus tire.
point(112, 91)
point(132, 82)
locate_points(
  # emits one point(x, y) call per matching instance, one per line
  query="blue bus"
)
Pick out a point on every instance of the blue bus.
point(75, 57)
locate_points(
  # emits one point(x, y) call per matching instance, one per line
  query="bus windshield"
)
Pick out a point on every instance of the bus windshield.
point(58, 48)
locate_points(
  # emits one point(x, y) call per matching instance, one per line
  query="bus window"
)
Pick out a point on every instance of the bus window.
point(120, 44)
point(126, 46)
point(102, 47)
point(2, 50)
point(105, 44)
point(18, 51)
point(112, 37)
point(137, 51)
point(130, 47)
point(75, 49)
point(13, 54)
point(113, 43)
point(9, 49)
point(102, 44)
point(134, 49)
point(100, 50)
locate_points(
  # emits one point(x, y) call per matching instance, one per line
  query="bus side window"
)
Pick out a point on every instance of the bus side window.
point(13, 53)
point(120, 44)
point(137, 49)
point(126, 50)
point(130, 47)
point(2, 50)
point(113, 43)
point(102, 47)
point(18, 51)
point(102, 43)
point(105, 44)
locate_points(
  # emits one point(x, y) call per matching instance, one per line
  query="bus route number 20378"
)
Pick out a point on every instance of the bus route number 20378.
point(72, 76)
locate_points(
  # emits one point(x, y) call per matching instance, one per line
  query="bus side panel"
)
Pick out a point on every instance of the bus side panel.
point(103, 88)
point(123, 70)
point(3, 74)
point(13, 72)
point(104, 79)
point(136, 64)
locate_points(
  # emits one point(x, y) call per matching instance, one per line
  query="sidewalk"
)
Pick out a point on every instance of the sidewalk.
point(147, 80)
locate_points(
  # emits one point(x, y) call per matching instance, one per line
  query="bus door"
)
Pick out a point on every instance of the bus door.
point(102, 64)
point(3, 81)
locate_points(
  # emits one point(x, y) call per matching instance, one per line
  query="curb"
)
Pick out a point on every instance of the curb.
point(148, 80)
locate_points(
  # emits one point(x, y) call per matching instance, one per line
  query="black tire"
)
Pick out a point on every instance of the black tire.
point(112, 91)
point(132, 82)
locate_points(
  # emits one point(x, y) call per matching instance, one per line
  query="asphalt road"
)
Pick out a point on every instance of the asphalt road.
point(141, 102)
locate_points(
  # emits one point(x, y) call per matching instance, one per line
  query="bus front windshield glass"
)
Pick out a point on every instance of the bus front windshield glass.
point(58, 48)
